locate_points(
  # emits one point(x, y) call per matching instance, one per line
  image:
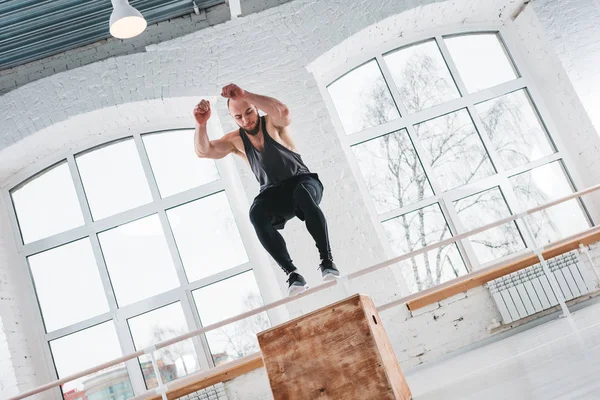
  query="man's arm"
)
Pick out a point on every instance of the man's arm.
point(214, 149)
point(278, 112)
point(206, 148)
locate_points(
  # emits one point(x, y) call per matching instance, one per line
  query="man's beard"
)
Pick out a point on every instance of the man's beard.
point(254, 131)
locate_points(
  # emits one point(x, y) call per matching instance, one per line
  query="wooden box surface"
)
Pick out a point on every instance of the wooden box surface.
point(337, 352)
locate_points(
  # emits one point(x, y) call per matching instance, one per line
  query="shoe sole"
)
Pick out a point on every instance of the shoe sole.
point(330, 275)
point(296, 290)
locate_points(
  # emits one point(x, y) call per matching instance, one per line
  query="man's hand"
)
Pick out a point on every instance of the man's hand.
point(233, 91)
point(202, 112)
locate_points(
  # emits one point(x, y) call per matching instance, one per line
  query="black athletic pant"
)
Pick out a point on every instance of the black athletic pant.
point(273, 207)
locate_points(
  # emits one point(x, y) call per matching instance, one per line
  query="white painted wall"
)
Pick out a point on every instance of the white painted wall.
point(573, 28)
point(561, 95)
point(266, 52)
point(253, 385)
point(8, 380)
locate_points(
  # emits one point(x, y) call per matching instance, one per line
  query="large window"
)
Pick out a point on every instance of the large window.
point(131, 243)
point(447, 137)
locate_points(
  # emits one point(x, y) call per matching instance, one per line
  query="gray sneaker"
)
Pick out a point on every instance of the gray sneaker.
point(296, 284)
point(329, 271)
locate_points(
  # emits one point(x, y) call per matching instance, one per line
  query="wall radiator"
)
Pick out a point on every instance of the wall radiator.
point(528, 291)
point(216, 392)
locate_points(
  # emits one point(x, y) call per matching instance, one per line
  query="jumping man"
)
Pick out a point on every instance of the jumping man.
point(287, 188)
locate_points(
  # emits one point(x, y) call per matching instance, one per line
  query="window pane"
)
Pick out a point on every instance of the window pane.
point(86, 349)
point(421, 75)
point(157, 326)
point(515, 129)
point(481, 60)
point(227, 299)
point(113, 179)
point(416, 230)
point(47, 204)
point(454, 149)
point(174, 162)
point(67, 284)
point(362, 98)
point(138, 260)
point(542, 185)
point(392, 171)
point(207, 236)
point(482, 209)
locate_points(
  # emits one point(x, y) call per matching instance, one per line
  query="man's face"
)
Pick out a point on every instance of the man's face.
point(245, 115)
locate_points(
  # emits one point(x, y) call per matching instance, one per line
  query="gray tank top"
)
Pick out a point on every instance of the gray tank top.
point(275, 163)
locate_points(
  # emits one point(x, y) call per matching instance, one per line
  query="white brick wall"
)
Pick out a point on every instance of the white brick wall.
point(21, 367)
point(594, 266)
point(573, 28)
point(430, 332)
point(562, 101)
point(254, 385)
point(266, 52)
point(8, 380)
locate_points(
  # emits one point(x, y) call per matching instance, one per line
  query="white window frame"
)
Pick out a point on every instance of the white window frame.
point(228, 182)
point(467, 101)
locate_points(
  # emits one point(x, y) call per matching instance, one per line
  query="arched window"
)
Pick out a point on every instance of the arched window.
point(130, 243)
point(445, 135)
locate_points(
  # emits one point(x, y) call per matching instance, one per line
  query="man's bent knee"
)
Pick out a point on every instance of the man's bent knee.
point(258, 215)
point(306, 196)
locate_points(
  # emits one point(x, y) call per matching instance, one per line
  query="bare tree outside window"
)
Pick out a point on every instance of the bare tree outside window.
point(484, 208)
point(452, 147)
point(418, 229)
point(180, 354)
point(238, 340)
point(421, 76)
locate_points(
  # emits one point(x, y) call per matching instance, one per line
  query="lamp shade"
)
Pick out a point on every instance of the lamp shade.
point(125, 21)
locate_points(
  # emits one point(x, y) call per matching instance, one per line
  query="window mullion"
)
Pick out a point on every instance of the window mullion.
point(93, 237)
point(192, 317)
point(451, 66)
point(429, 173)
point(219, 276)
point(190, 195)
point(515, 208)
point(103, 270)
point(173, 250)
point(389, 80)
point(134, 369)
point(409, 208)
point(456, 227)
point(139, 144)
point(487, 143)
point(374, 132)
point(12, 213)
point(85, 208)
point(79, 326)
point(162, 215)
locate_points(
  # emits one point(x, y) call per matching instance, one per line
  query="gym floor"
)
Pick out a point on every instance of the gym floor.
point(549, 361)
